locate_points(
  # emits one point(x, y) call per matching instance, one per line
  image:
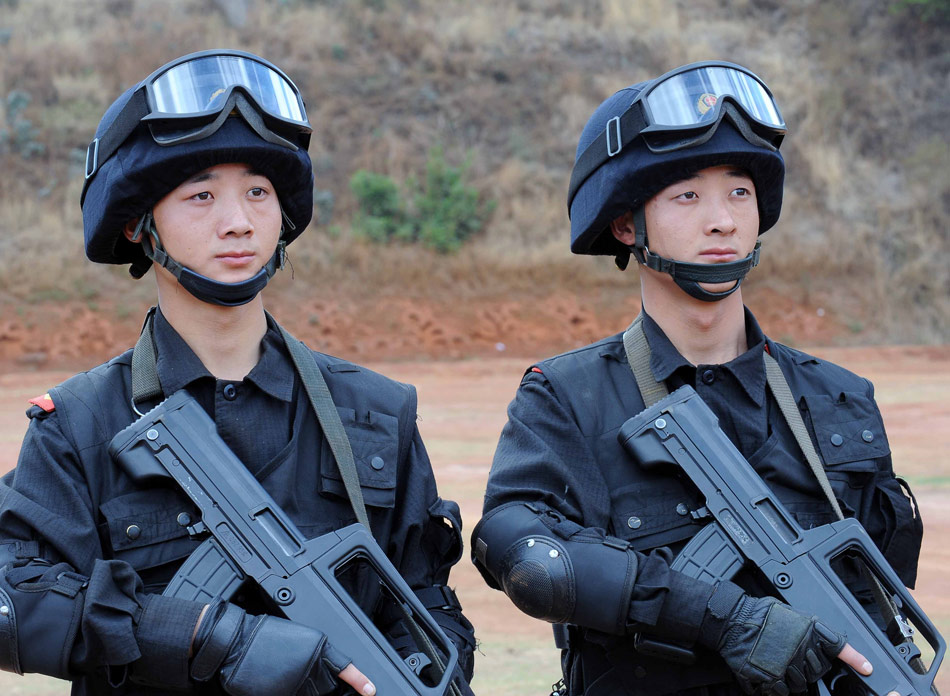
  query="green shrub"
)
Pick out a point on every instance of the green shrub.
point(447, 208)
point(381, 215)
point(444, 211)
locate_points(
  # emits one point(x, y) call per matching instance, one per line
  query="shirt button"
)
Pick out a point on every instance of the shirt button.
point(230, 392)
point(867, 436)
point(184, 519)
point(634, 522)
point(377, 463)
point(681, 509)
point(837, 440)
point(709, 376)
point(133, 531)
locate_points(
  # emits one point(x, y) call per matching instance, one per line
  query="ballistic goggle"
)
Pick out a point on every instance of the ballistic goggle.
point(682, 109)
point(190, 98)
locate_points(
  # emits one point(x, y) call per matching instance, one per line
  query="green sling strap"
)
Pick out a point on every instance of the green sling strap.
point(330, 422)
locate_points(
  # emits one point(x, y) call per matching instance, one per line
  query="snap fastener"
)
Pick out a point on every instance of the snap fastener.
point(133, 531)
point(837, 440)
point(709, 376)
point(867, 436)
point(553, 553)
point(4, 610)
point(377, 463)
point(634, 522)
point(681, 509)
point(230, 392)
point(184, 519)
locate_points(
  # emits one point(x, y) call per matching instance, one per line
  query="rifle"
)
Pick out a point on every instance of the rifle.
point(252, 538)
point(751, 529)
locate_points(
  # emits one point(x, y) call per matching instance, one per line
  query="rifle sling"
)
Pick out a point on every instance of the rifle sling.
point(330, 423)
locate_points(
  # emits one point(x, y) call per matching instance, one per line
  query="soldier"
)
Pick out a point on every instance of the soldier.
point(201, 172)
point(684, 173)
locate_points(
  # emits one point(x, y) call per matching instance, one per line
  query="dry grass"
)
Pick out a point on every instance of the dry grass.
point(510, 84)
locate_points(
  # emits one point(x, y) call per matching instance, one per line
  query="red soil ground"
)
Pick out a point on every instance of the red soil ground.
point(462, 410)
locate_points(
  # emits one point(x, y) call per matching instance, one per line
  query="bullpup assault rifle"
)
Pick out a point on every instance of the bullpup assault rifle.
point(751, 530)
point(252, 539)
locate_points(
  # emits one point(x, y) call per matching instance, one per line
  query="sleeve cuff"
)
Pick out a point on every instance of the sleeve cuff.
point(163, 632)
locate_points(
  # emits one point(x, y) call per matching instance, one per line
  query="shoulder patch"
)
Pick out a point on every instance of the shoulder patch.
point(537, 369)
point(44, 402)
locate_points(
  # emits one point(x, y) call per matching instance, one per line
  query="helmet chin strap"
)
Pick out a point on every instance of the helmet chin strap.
point(688, 276)
point(205, 289)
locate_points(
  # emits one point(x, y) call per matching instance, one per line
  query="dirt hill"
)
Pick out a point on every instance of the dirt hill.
point(862, 245)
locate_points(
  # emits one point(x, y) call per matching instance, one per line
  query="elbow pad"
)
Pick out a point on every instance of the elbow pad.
point(40, 607)
point(554, 569)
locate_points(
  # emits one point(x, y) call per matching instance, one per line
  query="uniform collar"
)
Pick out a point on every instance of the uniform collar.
point(178, 366)
point(748, 368)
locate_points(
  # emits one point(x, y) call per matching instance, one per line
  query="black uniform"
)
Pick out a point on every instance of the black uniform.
point(559, 451)
point(68, 503)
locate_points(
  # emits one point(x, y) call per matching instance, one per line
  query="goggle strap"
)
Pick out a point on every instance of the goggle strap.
point(619, 132)
point(103, 147)
point(256, 121)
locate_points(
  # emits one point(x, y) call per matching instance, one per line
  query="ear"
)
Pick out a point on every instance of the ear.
point(129, 229)
point(623, 229)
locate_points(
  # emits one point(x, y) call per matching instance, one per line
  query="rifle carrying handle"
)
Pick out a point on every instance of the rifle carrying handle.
point(208, 574)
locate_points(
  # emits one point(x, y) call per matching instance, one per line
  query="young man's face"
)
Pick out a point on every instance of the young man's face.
point(711, 217)
point(223, 223)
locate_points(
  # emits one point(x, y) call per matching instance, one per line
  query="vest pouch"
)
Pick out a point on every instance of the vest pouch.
point(148, 530)
point(903, 529)
point(374, 439)
point(850, 437)
point(654, 513)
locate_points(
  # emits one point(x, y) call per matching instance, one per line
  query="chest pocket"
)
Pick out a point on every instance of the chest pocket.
point(853, 447)
point(148, 530)
point(374, 439)
point(848, 430)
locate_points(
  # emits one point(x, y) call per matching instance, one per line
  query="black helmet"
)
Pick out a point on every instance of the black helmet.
point(201, 110)
point(653, 134)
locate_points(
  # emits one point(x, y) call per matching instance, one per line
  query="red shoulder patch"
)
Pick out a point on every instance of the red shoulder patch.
point(537, 369)
point(44, 402)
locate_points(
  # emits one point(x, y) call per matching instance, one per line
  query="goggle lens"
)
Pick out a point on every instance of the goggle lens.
point(202, 85)
point(691, 98)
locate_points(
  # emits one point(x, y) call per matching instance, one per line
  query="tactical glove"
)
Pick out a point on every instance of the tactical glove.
point(772, 649)
point(264, 654)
